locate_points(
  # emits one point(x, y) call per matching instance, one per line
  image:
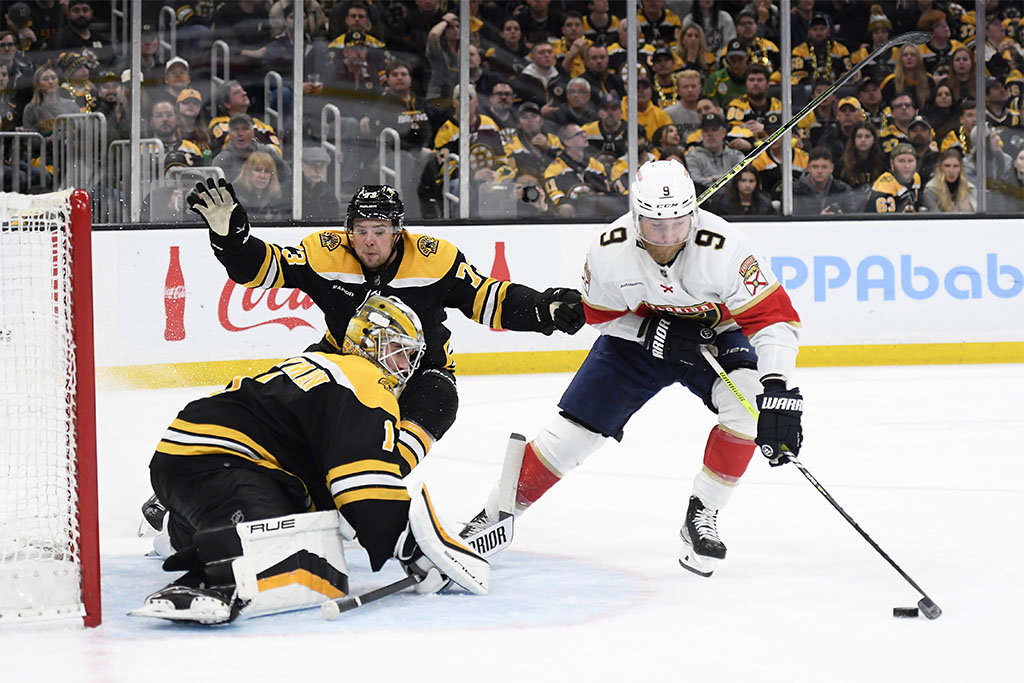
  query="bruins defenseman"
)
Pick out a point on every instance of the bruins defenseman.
point(661, 282)
point(374, 253)
point(245, 471)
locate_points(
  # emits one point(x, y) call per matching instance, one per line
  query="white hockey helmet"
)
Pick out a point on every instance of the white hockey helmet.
point(662, 189)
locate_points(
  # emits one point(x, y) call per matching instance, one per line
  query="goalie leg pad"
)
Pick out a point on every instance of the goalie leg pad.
point(441, 544)
point(291, 562)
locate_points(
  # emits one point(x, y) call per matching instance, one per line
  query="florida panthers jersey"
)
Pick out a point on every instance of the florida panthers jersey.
point(718, 279)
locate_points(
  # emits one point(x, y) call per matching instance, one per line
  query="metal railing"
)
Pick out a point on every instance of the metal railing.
point(18, 151)
point(79, 146)
point(274, 115)
point(167, 25)
point(330, 137)
point(449, 201)
point(216, 80)
point(387, 172)
point(119, 27)
point(150, 161)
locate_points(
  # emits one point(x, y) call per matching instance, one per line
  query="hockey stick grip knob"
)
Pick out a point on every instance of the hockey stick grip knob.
point(929, 608)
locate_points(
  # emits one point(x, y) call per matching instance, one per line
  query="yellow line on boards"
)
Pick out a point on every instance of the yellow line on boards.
point(219, 373)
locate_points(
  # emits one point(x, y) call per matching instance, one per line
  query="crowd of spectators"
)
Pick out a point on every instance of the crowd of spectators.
point(548, 98)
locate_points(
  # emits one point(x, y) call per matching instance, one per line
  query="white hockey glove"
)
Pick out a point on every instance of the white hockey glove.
point(226, 218)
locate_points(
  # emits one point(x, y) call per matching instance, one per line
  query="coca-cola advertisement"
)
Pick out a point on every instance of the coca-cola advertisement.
point(165, 301)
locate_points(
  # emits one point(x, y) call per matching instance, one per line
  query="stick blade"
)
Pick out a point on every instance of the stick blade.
point(929, 608)
point(913, 38)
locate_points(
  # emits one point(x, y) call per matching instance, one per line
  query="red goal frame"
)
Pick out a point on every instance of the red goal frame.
point(85, 403)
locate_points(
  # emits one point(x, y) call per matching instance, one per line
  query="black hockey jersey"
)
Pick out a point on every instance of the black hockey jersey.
point(324, 426)
point(428, 274)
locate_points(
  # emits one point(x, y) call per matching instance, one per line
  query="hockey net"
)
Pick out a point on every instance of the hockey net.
point(49, 559)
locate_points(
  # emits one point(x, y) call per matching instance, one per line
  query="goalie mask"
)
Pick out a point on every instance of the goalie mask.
point(387, 332)
point(664, 203)
point(376, 201)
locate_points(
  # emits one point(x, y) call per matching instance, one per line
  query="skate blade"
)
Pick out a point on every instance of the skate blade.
point(205, 612)
point(701, 565)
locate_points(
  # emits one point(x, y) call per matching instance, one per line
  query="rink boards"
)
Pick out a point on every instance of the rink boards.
point(868, 293)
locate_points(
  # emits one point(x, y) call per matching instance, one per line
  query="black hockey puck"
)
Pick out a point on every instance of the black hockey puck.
point(904, 612)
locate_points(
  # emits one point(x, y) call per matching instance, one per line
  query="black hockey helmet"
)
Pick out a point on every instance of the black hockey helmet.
point(376, 201)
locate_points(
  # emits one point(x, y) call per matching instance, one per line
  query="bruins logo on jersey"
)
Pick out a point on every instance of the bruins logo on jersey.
point(330, 240)
point(482, 154)
point(427, 245)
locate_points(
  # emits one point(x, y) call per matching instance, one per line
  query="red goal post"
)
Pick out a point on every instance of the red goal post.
point(49, 531)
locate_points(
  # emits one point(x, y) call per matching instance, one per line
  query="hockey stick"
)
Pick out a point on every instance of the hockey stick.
point(331, 609)
point(912, 37)
point(926, 604)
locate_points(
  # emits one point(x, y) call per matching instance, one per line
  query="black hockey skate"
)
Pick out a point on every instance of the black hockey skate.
point(702, 548)
point(480, 522)
point(186, 601)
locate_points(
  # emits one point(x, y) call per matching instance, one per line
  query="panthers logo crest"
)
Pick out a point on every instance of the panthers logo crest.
point(427, 245)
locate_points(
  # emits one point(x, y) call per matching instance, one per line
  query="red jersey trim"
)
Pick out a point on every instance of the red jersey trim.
point(774, 308)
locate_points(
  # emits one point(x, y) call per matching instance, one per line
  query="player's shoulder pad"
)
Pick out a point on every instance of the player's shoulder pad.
point(360, 376)
point(327, 252)
point(426, 257)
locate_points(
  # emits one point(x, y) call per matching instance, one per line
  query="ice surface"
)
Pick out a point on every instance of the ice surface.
point(926, 459)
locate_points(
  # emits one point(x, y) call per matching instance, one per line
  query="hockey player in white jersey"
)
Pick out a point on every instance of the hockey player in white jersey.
point(659, 283)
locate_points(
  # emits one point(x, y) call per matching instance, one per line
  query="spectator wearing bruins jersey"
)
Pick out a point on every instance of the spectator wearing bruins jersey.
point(903, 112)
point(768, 164)
point(762, 51)
point(487, 162)
point(819, 58)
point(531, 149)
point(607, 135)
point(570, 47)
point(660, 26)
point(231, 99)
point(897, 190)
point(313, 433)
point(937, 53)
point(374, 253)
point(574, 173)
point(752, 109)
point(599, 26)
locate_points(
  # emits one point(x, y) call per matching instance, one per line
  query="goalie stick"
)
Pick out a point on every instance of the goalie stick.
point(498, 536)
point(914, 37)
point(926, 604)
point(332, 609)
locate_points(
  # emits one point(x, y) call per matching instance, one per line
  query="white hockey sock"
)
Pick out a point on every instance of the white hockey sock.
point(713, 492)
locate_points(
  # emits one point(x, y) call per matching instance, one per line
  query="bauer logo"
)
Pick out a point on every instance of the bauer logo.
point(879, 278)
point(242, 309)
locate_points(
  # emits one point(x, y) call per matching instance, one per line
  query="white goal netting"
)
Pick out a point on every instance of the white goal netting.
point(40, 537)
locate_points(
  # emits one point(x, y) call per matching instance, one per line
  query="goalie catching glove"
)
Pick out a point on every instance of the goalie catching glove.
point(429, 550)
point(226, 218)
point(675, 339)
point(559, 308)
point(779, 433)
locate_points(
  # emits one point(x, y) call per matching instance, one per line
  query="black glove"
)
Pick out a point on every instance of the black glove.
point(562, 309)
point(675, 339)
point(778, 426)
point(224, 215)
point(415, 563)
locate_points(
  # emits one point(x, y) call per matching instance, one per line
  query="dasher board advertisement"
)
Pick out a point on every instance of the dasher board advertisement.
point(163, 298)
